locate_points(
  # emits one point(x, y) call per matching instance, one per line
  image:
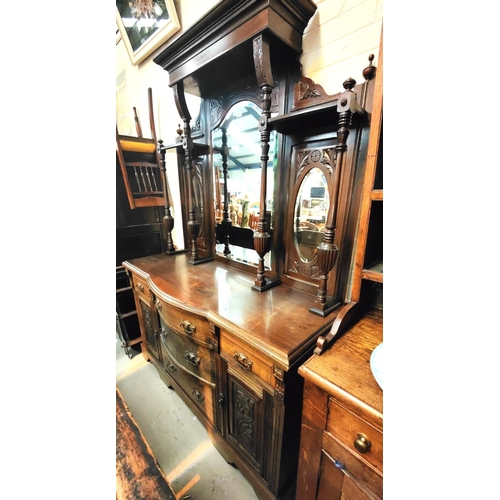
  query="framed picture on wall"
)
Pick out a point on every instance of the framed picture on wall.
point(145, 25)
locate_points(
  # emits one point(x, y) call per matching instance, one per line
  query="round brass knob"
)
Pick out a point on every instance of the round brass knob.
point(362, 443)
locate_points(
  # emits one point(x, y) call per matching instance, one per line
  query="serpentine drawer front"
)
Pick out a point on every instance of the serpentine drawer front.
point(199, 392)
point(189, 324)
point(192, 357)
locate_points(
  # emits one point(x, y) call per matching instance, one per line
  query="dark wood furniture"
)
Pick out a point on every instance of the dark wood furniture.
point(341, 447)
point(232, 354)
point(229, 328)
point(127, 320)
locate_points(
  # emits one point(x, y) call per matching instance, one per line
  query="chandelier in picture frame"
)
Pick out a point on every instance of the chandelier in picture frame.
point(145, 25)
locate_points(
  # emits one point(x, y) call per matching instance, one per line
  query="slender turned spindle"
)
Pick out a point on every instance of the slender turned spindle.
point(226, 220)
point(261, 237)
point(168, 220)
point(328, 251)
point(193, 226)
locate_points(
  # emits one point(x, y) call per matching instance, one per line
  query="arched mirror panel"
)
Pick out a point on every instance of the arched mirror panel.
point(237, 182)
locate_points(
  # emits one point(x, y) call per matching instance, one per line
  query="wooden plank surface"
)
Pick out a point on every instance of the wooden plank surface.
point(138, 476)
point(277, 321)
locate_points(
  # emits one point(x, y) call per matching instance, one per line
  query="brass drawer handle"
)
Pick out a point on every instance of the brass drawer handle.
point(243, 360)
point(171, 368)
point(362, 444)
point(188, 327)
point(158, 305)
point(197, 395)
point(191, 358)
point(140, 287)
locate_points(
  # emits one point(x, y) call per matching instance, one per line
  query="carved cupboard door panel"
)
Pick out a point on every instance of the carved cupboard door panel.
point(149, 326)
point(246, 419)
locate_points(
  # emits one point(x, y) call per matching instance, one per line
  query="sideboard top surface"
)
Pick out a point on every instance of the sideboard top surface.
point(276, 321)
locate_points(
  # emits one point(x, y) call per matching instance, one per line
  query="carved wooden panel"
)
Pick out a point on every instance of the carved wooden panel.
point(149, 329)
point(245, 420)
point(305, 158)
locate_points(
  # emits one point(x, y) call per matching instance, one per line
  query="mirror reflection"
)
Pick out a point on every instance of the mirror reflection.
point(243, 178)
point(311, 210)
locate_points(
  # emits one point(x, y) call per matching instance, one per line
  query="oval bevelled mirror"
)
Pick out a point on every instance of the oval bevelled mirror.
point(311, 209)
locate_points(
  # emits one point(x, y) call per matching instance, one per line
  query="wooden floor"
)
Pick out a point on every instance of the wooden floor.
point(138, 475)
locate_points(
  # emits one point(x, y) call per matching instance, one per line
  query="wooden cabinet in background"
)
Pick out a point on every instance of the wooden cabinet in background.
point(341, 452)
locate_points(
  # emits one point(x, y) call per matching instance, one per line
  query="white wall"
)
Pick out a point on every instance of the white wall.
point(336, 45)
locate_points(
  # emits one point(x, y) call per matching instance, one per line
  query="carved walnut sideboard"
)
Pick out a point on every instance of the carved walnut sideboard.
point(232, 354)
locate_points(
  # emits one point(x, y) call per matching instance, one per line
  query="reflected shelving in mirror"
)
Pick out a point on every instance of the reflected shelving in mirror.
point(237, 180)
point(311, 210)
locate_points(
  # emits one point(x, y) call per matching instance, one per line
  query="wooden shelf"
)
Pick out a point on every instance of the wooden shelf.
point(377, 195)
point(374, 273)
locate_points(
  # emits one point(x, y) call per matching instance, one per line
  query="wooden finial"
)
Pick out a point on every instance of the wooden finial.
point(349, 84)
point(370, 71)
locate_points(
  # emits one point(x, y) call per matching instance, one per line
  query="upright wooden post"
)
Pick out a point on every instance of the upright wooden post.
point(261, 238)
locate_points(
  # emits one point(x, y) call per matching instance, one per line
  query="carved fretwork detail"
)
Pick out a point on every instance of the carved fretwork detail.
point(309, 269)
point(197, 180)
point(279, 391)
point(148, 324)
point(307, 93)
point(216, 107)
point(214, 340)
point(278, 372)
point(196, 128)
point(244, 418)
point(325, 156)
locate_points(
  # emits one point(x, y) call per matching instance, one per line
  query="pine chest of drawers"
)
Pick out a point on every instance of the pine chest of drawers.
point(341, 449)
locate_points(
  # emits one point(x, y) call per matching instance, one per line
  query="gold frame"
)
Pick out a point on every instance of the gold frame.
point(153, 41)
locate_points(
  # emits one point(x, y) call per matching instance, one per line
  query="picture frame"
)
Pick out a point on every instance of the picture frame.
point(145, 25)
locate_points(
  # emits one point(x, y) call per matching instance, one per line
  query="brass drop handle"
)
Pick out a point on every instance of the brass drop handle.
point(158, 305)
point(242, 359)
point(188, 327)
point(191, 358)
point(140, 287)
point(362, 444)
point(197, 395)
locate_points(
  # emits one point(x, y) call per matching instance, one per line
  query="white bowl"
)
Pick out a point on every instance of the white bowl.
point(377, 364)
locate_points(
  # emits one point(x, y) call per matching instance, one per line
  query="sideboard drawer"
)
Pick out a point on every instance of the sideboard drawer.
point(352, 431)
point(192, 325)
point(247, 358)
point(198, 391)
point(193, 357)
point(140, 286)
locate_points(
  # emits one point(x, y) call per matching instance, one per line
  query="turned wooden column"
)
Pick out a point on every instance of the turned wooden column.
point(193, 226)
point(328, 251)
point(261, 238)
point(226, 220)
point(168, 220)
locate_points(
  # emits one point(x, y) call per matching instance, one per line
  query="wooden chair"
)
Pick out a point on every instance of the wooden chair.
point(140, 165)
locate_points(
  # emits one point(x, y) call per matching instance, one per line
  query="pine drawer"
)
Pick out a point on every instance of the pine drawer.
point(349, 428)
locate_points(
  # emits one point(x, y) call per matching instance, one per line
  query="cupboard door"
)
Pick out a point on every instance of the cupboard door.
point(246, 418)
point(149, 328)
